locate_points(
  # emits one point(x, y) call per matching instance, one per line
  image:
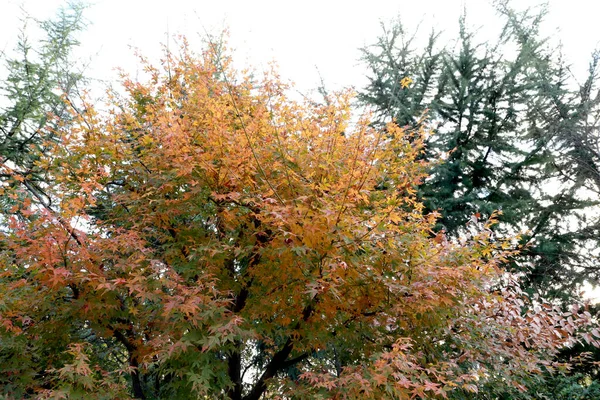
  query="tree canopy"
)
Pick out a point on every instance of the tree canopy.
point(207, 236)
point(517, 132)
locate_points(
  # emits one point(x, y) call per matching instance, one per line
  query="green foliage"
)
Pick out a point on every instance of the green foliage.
point(40, 80)
point(515, 134)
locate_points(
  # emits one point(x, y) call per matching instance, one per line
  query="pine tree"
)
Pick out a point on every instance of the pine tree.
point(40, 80)
point(518, 134)
point(513, 137)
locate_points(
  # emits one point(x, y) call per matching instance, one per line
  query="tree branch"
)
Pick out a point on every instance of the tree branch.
point(279, 360)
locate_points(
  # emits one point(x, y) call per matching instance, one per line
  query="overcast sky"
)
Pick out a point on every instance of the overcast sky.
point(306, 39)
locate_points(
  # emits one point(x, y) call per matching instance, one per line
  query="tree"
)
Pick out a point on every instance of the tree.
point(515, 137)
point(518, 135)
point(40, 81)
point(209, 237)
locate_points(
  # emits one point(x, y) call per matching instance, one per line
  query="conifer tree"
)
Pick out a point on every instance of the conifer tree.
point(518, 134)
point(39, 81)
point(513, 134)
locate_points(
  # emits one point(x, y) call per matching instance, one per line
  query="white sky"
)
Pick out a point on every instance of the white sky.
point(300, 36)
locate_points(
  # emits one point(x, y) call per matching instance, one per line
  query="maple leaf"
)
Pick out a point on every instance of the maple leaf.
point(58, 276)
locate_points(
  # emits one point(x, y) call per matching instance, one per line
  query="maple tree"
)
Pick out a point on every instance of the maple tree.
point(206, 236)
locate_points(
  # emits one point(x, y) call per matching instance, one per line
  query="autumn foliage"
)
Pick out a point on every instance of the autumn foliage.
point(205, 235)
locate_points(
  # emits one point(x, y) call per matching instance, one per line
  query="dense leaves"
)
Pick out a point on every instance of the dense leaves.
point(517, 134)
point(210, 237)
point(41, 78)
